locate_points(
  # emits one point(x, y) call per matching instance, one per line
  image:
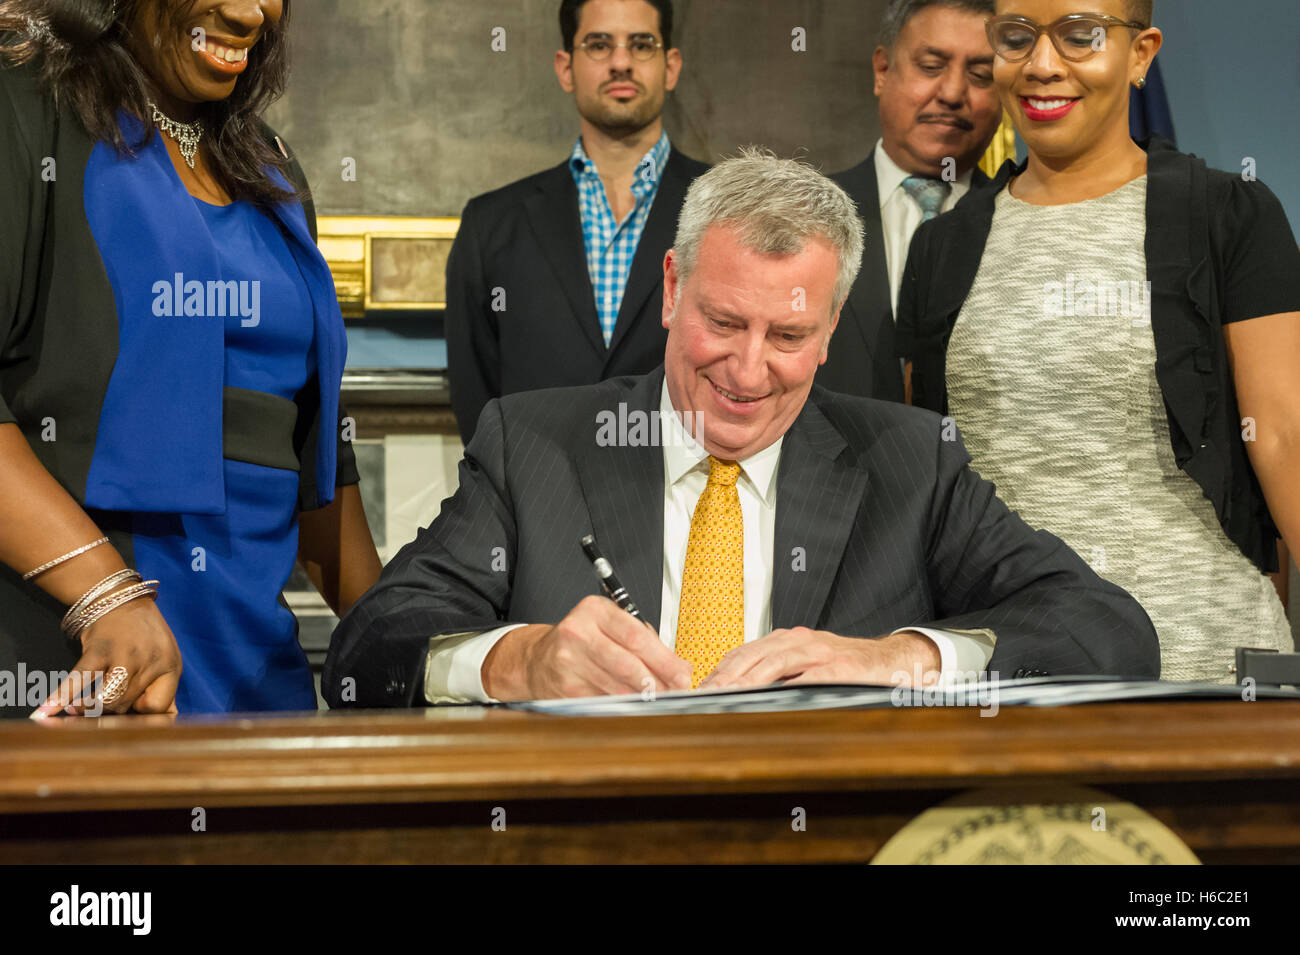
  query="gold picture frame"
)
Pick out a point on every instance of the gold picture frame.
point(387, 263)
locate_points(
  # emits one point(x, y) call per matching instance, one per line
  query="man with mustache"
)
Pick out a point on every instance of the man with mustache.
point(555, 279)
point(938, 113)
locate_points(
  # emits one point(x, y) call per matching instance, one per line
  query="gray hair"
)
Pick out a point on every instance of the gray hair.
point(774, 205)
point(898, 12)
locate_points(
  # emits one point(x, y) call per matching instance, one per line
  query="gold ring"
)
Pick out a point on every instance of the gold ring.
point(114, 686)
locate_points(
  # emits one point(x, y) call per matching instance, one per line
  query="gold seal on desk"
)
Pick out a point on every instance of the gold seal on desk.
point(1051, 826)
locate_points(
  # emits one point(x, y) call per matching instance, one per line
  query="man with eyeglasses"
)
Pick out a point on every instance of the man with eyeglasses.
point(938, 113)
point(557, 279)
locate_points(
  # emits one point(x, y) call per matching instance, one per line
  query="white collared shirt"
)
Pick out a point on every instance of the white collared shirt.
point(900, 215)
point(454, 670)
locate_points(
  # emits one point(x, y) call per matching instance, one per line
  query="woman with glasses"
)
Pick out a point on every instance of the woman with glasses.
point(1116, 332)
point(171, 352)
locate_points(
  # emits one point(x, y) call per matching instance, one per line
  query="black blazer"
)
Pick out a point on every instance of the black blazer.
point(894, 529)
point(862, 358)
point(1197, 220)
point(525, 240)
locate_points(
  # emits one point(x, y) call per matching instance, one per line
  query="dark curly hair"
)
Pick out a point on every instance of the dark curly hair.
point(82, 51)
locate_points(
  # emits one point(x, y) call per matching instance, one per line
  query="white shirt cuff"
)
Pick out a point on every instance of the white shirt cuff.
point(963, 654)
point(454, 670)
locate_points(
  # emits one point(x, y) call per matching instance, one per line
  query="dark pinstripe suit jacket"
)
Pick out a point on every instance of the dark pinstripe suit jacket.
point(863, 359)
point(893, 528)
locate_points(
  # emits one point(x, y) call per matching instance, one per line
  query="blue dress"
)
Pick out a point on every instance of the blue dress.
point(221, 575)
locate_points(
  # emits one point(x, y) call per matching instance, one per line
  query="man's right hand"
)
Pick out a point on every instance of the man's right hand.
point(598, 649)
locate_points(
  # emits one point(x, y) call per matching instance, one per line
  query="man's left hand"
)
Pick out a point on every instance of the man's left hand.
point(803, 655)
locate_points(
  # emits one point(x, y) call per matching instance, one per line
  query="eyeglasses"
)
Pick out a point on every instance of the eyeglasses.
point(1076, 36)
point(601, 47)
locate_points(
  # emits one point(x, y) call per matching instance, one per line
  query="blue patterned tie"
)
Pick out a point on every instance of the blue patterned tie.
point(929, 194)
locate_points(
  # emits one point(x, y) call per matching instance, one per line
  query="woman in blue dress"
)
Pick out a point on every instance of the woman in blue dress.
point(171, 351)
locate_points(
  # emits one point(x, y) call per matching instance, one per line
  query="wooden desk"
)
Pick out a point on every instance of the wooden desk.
point(423, 786)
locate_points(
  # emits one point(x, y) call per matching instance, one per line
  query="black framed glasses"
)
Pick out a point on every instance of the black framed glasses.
point(601, 46)
point(1076, 36)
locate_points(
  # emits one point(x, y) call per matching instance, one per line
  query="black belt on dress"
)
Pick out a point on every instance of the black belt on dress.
point(258, 428)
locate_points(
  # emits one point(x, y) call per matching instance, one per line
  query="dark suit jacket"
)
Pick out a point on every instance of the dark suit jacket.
point(893, 527)
point(863, 359)
point(526, 239)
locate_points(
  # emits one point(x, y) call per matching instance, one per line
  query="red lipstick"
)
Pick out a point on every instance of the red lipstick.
point(1046, 115)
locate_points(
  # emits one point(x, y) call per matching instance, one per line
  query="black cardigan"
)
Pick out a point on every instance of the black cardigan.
point(1191, 217)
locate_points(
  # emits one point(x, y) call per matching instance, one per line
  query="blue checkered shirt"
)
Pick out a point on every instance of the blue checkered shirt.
point(611, 245)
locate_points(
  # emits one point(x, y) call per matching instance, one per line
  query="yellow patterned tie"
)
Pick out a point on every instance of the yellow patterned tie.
point(711, 620)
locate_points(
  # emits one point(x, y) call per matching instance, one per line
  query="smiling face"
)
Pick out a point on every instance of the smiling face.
point(1065, 108)
point(619, 94)
point(936, 92)
point(741, 352)
point(194, 51)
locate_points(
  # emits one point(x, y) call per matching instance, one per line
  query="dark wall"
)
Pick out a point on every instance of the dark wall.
point(413, 92)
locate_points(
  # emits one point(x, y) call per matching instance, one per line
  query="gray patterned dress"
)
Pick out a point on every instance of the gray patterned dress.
point(1051, 380)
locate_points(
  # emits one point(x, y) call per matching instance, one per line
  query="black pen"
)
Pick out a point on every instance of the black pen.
point(616, 591)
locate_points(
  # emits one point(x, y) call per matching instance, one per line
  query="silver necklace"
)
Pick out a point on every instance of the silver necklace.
point(187, 135)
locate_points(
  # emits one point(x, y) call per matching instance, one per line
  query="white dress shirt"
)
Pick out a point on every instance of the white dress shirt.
point(454, 670)
point(900, 215)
